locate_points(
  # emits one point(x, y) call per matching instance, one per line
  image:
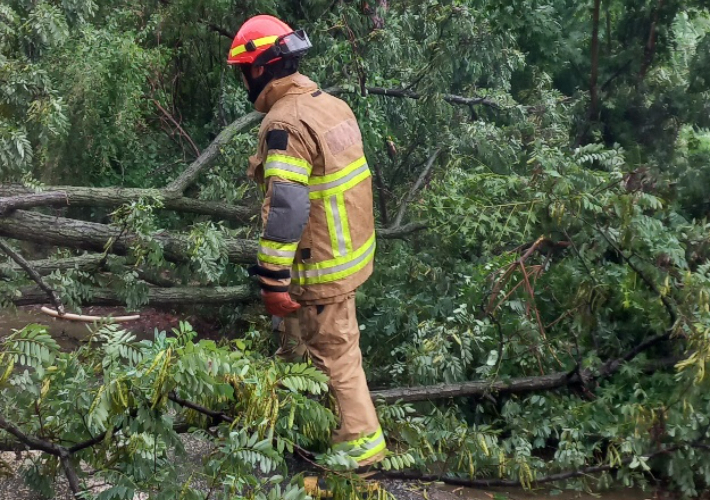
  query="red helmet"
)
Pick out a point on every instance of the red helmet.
point(263, 33)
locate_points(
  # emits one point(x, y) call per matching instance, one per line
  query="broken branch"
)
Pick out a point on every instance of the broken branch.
point(34, 275)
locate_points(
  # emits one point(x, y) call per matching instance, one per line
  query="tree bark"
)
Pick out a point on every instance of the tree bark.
point(477, 388)
point(85, 262)
point(31, 200)
point(650, 48)
point(593, 90)
point(517, 385)
point(63, 232)
point(22, 197)
point(156, 296)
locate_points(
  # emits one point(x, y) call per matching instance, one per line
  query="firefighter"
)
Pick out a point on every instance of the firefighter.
point(318, 239)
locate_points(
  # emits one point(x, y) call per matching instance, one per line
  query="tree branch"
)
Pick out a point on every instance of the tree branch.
point(516, 385)
point(450, 98)
point(218, 29)
point(31, 200)
point(415, 188)
point(179, 128)
point(156, 296)
point(650, 49)
point(552, 478)
point(80, 196)
point(64, 232)
point(34, 275)
point(400, 232)
point(212, 151)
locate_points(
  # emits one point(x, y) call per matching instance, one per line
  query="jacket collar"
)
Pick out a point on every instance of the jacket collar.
point(276, 89)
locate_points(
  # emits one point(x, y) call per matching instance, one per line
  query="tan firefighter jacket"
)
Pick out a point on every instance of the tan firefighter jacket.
point(318, 237)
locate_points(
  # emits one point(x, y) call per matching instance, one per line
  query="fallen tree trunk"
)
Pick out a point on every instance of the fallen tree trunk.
point(20, 197)
point(48, 266)
point(156, 296)
point(30, 199)
point(91, 262)
point(476, 388)
point(517, 385)
point(63, 232)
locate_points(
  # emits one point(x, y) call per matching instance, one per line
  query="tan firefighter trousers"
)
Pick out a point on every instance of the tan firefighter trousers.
point(331, 337)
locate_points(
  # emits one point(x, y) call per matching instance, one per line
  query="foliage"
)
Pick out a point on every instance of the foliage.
point(561, 235)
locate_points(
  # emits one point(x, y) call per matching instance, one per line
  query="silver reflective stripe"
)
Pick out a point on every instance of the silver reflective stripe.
point(279, 165)
point(338, 223)
point(276, 253)
point(317, 273)
point(372, 444)
point(338, 182)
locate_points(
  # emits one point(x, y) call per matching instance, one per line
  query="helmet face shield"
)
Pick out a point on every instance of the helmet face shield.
point(291, 45)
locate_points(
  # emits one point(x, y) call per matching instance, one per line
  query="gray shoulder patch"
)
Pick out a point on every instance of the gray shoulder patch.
point(288, 212)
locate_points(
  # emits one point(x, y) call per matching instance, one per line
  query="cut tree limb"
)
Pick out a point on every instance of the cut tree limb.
point(34, 275)
point(64, 232)
point(156, 296)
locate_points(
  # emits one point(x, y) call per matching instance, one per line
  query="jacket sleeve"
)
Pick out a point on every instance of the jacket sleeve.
point(286, 207)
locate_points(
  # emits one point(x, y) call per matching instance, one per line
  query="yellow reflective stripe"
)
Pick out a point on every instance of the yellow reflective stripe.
point(277, 253)
point(335, 269)
point(344, 221)
point(287, 167)
point(277, 245)
point(259, 42)
point(320, 190)
point(332, 230)
point(365, 447)
point(325, 179)
point(293, 161)
point(270, 259)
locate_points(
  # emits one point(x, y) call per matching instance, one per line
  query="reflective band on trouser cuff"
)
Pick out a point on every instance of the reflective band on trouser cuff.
point(365, 447)
point(288, 167)
point(273, 252)
point(335, 269)
point(339, 182)
point(259, 42)
point(338, 226)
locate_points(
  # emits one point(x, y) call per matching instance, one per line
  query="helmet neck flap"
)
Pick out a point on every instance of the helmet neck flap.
point(273, 71)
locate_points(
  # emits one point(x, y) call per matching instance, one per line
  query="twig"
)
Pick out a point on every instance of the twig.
point(34, 275)
point(417, 185)
point(670, 308)
point(172, 120)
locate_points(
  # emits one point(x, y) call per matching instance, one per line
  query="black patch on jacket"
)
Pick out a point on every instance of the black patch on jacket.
point(316, 93)
point(277, 139)
point(305, 253)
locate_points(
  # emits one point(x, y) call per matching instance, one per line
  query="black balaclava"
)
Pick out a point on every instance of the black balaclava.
point(273, 71)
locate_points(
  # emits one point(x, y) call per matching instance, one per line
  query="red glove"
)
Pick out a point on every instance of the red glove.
point(279, 303)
